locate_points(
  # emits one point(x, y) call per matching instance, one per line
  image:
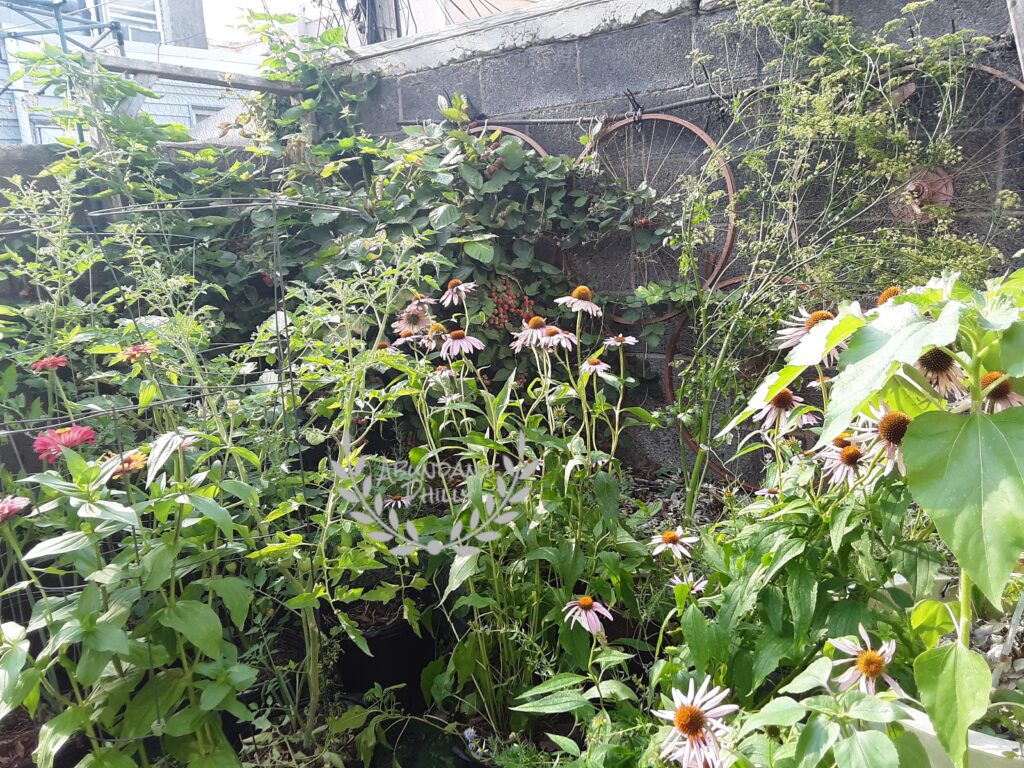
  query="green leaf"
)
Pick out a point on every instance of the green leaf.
point(565, 744)
point(866, 749)
point(555, 703)
point(1011, 349)
point(954, 685)
point(147, 394)
point(241, 490)
point(912, 753)
point(815, 676)
point(104, 509)
point(898, 335)
point(816, 739)
point(197, 622)
point(559, 682)
point(211, 509)
point(349, 720)
point(444, 215)
point(69, 541)
point(236, 595)
point(782, 711)
point(463, 566)
point(55, 732)
point(471, 176)
point(482, 252)
point(967, 473)
point(931, 620)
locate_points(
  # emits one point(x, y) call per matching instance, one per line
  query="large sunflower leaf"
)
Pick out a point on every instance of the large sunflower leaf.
point(898, 335)
point(954, 684)
point(967, 473)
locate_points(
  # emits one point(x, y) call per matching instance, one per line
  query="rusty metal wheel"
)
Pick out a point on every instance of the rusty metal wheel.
point(487, 129)
point(675, 181)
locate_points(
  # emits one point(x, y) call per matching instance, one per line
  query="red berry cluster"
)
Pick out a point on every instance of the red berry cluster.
point(509, 305)
point(640, 222)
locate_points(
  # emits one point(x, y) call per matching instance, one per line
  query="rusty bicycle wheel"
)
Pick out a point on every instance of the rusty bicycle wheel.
point(676, 181)
point(487, 129)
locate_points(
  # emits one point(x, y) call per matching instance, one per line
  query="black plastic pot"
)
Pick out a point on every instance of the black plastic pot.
point(465, 760)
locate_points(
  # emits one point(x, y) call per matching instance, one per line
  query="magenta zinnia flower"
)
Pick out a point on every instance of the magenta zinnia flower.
point(12, 505)
point(48, 445)
point(459, 343)
point(49, 363)
point(696, 725)
point(457, 291)
point(584, 611)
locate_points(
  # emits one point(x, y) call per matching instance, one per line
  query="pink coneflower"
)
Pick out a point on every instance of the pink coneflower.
point(439, 374)
point(532, 334)
point(413, 318)
point(999, 394)
point(868, 664)
point(459, 343)
point(696, 584)
point(47, 446)
point(457, 291)
point(49, 363)
point(845, 465)
point(419, 301)
point(883, 431)
point(581, 299)
point(673, 541)
point(614, 342)
point(397, 501)
point(12, 505)
point(405, 337)
point(594, 365)
point(696, 725)
point(555, 337)
point(777, 410)
point(584, 611)
point(820, 382)
point(942, 372)
point(771, 494)
point(454, 397)
point(434, 337)
point(798, 326)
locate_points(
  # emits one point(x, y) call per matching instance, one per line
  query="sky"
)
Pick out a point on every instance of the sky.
point(223, 16)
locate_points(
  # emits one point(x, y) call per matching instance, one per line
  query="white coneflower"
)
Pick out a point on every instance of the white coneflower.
point(586, 612)
point(777, 410)
point(614, 342)
point(999, 394)
point(594, 365)
point(413, 318)
point(796, 327)
point(868, 664)
point(942, 372)
point(555, 337)
point(771, 494)
point(397, 502)
point(454, 397)
point(460, 343)
point(845, 465)
point(532, 334)
point(457, 291)
point(581, 299)
point(696, 725)
point(673, 541)
point(883, 431)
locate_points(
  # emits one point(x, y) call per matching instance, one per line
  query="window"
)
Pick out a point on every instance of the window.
point(141, 18)
point(202, 112)
point(46, 132)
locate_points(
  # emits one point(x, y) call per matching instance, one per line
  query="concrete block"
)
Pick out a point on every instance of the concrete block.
point(715, 5)
point(380, 113)
point(988, 17)
point(645, 58)
point(736, 61)
point(539, 76)
point(419, 91)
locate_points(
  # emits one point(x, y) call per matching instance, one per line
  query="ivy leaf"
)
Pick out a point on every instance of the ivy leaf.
point(967, 473)
point(197, 622)
point(954, 684)
point(895, 337)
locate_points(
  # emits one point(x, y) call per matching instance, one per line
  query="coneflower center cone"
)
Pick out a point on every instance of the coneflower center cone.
point(817, 317)
point(586, 602)
point(1001, 390)
point(582, 292)
point(784, 400)
point(870, 663)
point(935, 361)
point(670, 537)
point(690, 721)
point(851, 455)
point(892, 427)
point(841, 441)
point(454, 283)
point(536, 322)
point(457, 335)
point(888, 293)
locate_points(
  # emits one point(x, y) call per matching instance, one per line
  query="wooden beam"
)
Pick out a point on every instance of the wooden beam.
point(1016, 9)
point(194, 75)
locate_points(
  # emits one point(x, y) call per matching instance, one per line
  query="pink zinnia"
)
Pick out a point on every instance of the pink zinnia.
point(49, 363)
point(48, 445)
point(458, 343)
point(584, 611)
point(12, 505)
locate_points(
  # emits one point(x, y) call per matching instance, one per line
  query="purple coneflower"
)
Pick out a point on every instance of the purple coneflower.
point(594, 365)
point(889, 293)
point(673, 541)
point(555, 337)
point(581, 299)
point(457, 291)
point(614, 342)
point(868, 664)
point(454, 397)
point(397, 501)
point(586, 612)
point(459, 343)
point(696, 584)
point(532, 334)
point(798, 326)
point(777, 410)
point(420, 301)
point(845, 465)
point(1000, 394)
point(696, 725)
point(942, 371)
point(771, 494)
point(884, 430)
point(413, 318)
